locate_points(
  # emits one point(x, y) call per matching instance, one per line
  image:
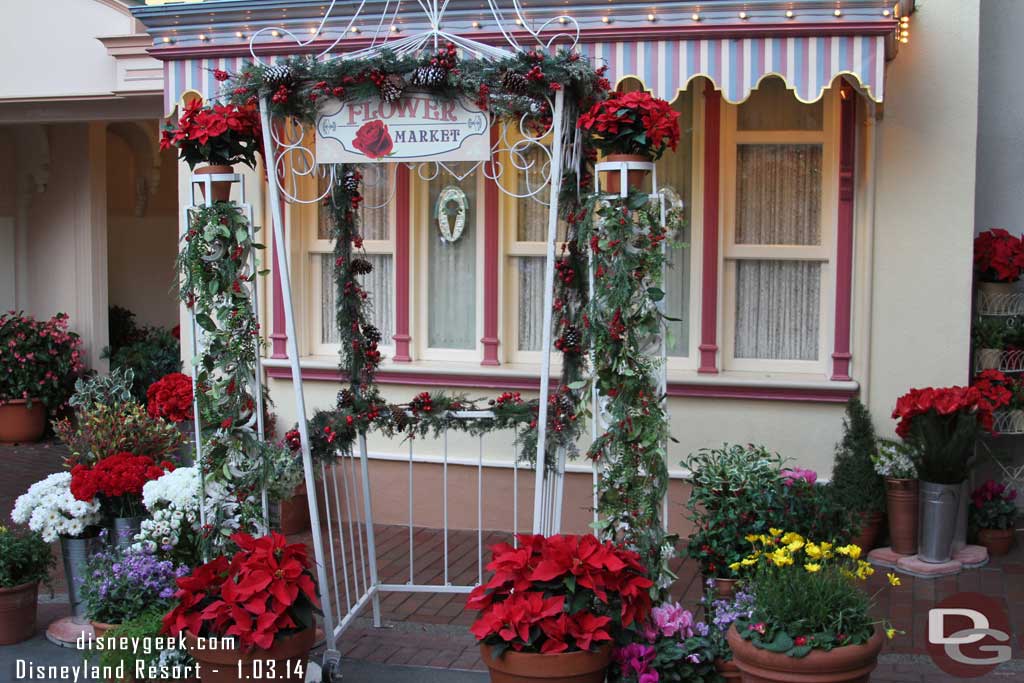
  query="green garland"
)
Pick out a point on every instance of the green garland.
point(215, 276)
point(626, 239)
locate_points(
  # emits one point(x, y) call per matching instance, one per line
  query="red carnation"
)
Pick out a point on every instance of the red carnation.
point(170, 397)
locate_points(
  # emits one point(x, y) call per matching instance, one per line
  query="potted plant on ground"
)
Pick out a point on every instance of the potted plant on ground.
point(170, 398)
point(720, 613)
point(894, 461)
point(117, 482)
point(943, 425)
point(631, 127)
point(122, 583)
point(998, 260)
point(856, 485)
point(264, 597)
point(38, 364)
point(554, 606)
point(219, 136)
point(670, 646)
point(733, 490)
point(25, 561)
point(810, 621)
point(989, 338)
point(173, 529)
point(992, 516)
point(49, 508)
point(121, 651)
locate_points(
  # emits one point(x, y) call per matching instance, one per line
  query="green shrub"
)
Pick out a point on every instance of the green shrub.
point(856, 485)
point(24, 558)
point(150, 357)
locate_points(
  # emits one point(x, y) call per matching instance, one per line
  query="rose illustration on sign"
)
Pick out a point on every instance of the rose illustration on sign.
point(374, 139)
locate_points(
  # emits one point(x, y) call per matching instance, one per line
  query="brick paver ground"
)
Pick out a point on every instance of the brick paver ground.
point(430, 629)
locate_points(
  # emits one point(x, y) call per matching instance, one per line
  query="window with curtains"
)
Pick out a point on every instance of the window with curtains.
point(450, 282)
point(378, 240)
point(779, 212)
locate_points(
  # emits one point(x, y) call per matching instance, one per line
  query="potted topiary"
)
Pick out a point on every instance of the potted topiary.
point(856, 485)
point(39, 361)
point(829, 635)
point(992, 516)
point(998, 260)
point(554, 606)
point(989, 338)
point(25, 561)
point(219, 136)
point(123, 583)
point(631, 127)
point(734, 493)
point(264, 598)
point(894, 461)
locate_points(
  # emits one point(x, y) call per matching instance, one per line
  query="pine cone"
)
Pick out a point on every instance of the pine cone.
point(391, 88)
point(345, 398)
point(351, 181)
point(571, 339)
point(361, 266)
point(565, 404)
point(514, 83)
point(277, 75)
point(429, 76)
point(371, 334)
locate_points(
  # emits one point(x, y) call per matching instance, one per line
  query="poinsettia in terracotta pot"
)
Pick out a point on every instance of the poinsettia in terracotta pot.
point(25, 561)
point(631, 127)
point(264, 597)
point(998, 264)
point(39, 361)
point(554, 606)
point(218, 135)
point(830, 636)
point(992, 515)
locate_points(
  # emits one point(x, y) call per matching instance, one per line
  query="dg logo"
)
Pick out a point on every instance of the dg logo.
point(969, 635)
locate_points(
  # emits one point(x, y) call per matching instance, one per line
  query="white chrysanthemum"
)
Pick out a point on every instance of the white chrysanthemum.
point(49, 508)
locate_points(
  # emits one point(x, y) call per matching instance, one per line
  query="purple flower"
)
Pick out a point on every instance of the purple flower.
point(671, 619)
point(693, 659)
point(649, 677)
point(701, 628)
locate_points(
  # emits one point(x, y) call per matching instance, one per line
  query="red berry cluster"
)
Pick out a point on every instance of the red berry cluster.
point(535, 73)
point(445, 57)
point(565, 271)
point(617, 328)
point(281, 95)
point(483, 96)
point(423, 403)
point(508, 398)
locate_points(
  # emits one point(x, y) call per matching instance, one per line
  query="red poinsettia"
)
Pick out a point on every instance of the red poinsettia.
point(264, 592)
point(218, 134)
point(998, 256)
point(559, 594)
point(170, 397)
point(632, 123)
point(945, 401)
point(118, 481)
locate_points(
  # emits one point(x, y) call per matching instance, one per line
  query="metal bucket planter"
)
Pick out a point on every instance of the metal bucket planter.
point(124, 530)
point(76, 552)
point(940, 516)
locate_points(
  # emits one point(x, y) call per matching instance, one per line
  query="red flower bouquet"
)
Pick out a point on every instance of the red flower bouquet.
point(559, 594)
point(218, 135)
point(118, 481)
point(632, 123)
point(943, 424)
point(170, 397)
point(265, 592)
point(998, 256)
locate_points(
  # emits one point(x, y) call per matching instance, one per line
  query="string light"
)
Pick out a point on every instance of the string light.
point(886, 12)
point(651, 17)
point(606, 20)
point(167, 39)
point(838, 12)
point(519, 22)
point(275, 33)
point(203, 37)
point(695, 16)
point(789, 14)
point(355, 29)
point(562, 20)
point(239, 34)
point(395, 29)
point(743, 15)
point(313, 31)
point(476, 24)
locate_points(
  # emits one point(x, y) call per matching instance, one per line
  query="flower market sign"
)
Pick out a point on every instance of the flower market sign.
point(417, 127)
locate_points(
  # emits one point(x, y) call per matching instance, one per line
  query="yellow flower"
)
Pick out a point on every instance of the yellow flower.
point(775, 532)
point(765, 540)
point(813, 551)
point(747, 561)
point(893, 581)
point(792, 536)
point(826, 550)
point(752, 538)
point(890, 633)
point(852, 551)
point(812, 567)
point(864, 570)
point(781, 558)
point(734, 566)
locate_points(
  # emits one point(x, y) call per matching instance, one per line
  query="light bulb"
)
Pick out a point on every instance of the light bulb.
point(695, 16)
point(202, 36)
point(166, 39)
point(355, 29)
point(239, 34)
point(789, 14)
point(275, 33)
point(606, 20)
point(476, 24)
point(743, 15)
point(651, 17)
point(838, 12)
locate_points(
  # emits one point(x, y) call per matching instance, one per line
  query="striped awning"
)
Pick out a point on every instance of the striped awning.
point(735, 66)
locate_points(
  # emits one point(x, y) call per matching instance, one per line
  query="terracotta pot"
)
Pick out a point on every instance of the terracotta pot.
point(222, 665)
point(565, 667)
point(295, 512)
point(221, 190)
point(728, 670)
point(849, 664)
point(612, 179)
point(901, 504)
point(21, 424)
point(100, 628)
point(998, 541)
point(871, 524)
point(18, 612)
point(725, 588)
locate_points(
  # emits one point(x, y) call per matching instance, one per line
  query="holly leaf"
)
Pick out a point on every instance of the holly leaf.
point(655, 293)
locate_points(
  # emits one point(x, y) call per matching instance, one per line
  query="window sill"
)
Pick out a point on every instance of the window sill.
point(682, 383)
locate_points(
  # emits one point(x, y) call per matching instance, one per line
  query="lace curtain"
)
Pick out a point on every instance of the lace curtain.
point(378, 284)
point(451, 270)
point(778, 202)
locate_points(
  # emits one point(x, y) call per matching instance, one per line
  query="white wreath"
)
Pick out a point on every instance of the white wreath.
point(449, 194)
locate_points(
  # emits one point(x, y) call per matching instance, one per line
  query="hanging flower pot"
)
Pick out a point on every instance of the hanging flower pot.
point(532, 667)
point(285, 660)
point(18, 612)
point(846, 664)
point(220, 190)
point(20, 423)
point(901, 504)
point(870, 525)
point(612, 179)
point(295, 512)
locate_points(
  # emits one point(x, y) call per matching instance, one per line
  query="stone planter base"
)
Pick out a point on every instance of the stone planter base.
point(970, 557)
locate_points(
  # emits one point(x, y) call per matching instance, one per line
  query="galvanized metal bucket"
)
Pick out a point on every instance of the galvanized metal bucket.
point(76, 552)
point(940, 517)
point(124, 530)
